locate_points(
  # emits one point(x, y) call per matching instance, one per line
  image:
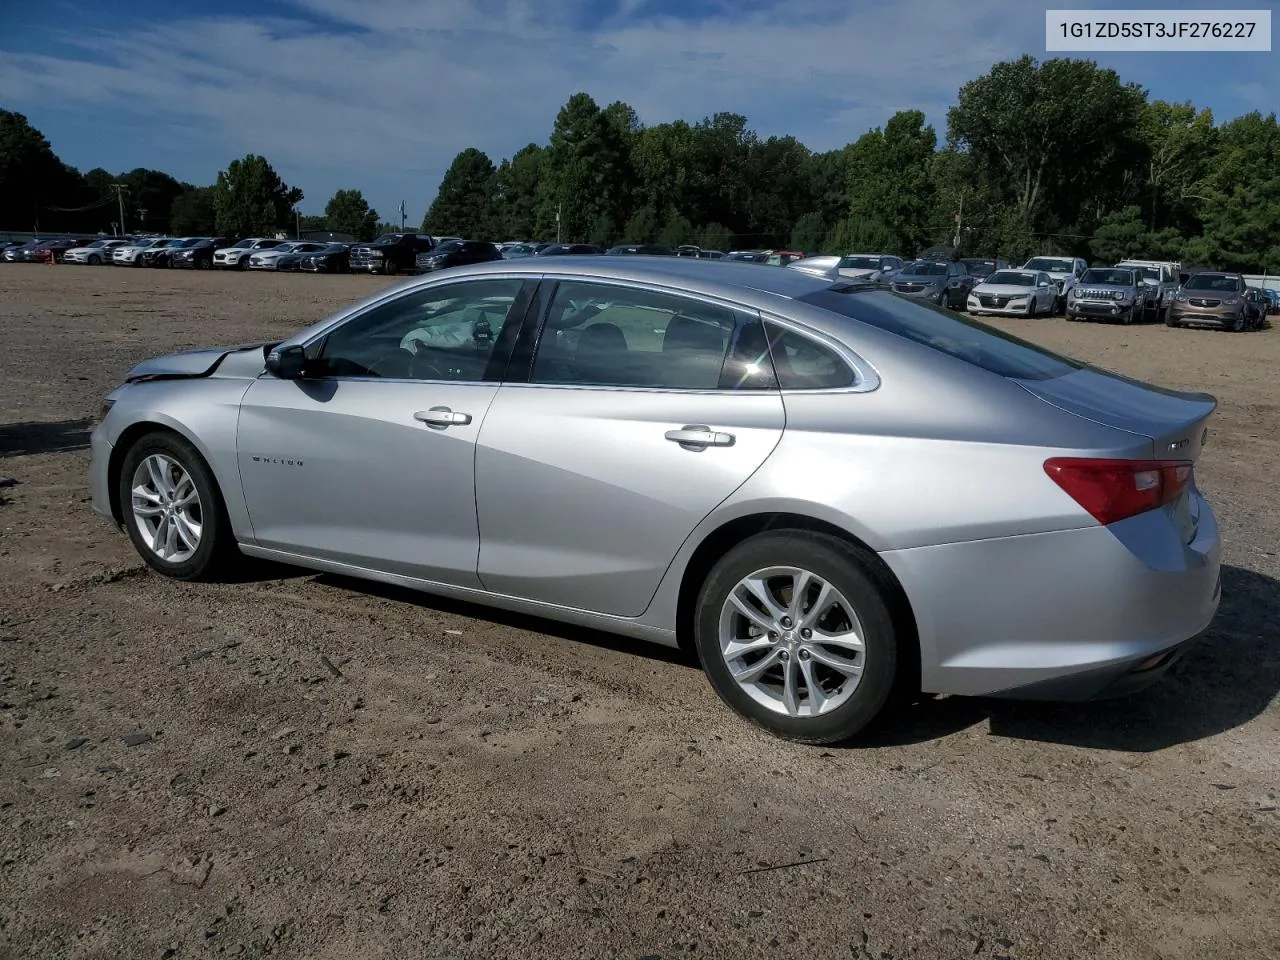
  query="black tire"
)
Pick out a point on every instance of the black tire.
point(389, 268)
point(217, 543)
point(1241, 324)
point(846, 569)
point(95, 260)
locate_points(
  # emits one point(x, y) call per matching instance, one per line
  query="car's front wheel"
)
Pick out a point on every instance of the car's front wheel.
point(172, 508)
point(95, 260)
point(794, 632)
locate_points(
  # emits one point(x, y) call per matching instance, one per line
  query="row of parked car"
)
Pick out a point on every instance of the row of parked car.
point(1128, 292)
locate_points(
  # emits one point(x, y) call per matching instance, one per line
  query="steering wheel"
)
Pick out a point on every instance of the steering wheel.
point(395, 360)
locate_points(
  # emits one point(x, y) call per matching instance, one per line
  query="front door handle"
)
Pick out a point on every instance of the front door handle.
point(698, 436)
point(442, 417)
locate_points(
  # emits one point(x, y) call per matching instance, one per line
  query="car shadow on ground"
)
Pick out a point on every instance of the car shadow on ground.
point(1230, 677)
point(516, 621)
point(42, 436)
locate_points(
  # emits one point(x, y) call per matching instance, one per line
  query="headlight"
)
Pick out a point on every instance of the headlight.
point(1231, 301)
point(1118, 294)
point(375, 253)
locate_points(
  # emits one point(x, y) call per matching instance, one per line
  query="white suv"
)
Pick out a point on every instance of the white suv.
point(129, 255)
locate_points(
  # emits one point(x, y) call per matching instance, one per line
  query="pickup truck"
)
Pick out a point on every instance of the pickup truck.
point(1160, 282)
point(391, 253)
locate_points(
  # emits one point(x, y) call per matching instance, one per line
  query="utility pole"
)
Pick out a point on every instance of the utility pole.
point(959, 214)
point(402, 216)
point(559, 209)
point(297, 224)
point(120, 189)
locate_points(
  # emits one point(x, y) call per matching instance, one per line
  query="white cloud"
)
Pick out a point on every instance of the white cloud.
point(381, 95)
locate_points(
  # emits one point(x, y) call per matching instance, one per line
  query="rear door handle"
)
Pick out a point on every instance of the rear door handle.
point(442, 417)
point(699, 436)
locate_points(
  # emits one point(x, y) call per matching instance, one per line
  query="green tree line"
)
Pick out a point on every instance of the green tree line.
point(1059, 156)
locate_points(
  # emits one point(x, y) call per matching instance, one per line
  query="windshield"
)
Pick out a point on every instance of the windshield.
point(1050, 264)
point(979, 268)
point(1151, 273)
point(1014, 278)
point(388, 238)
point(244, 244)
point(451, 246)
point(859, 263)
point(1213, 281)
point(922, 268)
point(956, 336)
point(1122, 278)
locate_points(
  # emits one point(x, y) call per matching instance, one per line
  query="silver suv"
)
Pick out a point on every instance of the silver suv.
point(1107, 293)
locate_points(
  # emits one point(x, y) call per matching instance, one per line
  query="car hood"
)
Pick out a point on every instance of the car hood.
point(855, 272)
point(272, 253)
point(1004, 290)
point(926, 278)
point(187, 363)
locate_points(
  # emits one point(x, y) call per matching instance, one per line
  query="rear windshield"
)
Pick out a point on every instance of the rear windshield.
point(957, 336)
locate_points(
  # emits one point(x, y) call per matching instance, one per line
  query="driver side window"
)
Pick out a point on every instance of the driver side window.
point(445, 332)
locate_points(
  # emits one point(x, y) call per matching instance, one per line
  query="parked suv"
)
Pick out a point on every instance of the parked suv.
point(945, 282)
point(199, 255)
point(390, 253)
point(1108, 293)
point(1066, 272)
point(456, 253)
point(1160, 282)
point(1211, 299)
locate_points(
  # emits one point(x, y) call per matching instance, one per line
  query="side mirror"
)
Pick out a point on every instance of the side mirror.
point(287, 363)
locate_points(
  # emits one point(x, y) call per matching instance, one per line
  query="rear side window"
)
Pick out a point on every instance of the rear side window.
point(804, 364)
point(960, 337)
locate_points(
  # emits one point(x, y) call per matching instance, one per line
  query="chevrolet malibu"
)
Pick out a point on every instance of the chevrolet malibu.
point(834, 494)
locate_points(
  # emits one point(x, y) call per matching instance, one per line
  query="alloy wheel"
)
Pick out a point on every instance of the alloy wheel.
point(166, 508)
point(792, 642)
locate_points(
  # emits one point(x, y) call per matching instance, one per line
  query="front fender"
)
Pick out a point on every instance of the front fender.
point(204, 412)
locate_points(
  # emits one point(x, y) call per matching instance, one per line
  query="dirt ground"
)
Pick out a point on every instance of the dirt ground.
point(303, 766)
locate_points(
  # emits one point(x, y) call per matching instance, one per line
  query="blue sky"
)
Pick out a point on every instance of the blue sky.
point(380, 94)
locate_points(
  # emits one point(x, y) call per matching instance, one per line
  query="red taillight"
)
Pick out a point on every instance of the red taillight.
point(1113, 490)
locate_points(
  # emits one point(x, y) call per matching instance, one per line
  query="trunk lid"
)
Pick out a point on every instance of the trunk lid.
point(1174, 421)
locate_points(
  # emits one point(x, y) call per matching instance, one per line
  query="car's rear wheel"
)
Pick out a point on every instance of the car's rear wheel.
point(794, 632)
point(172, 508)
point(95, 260)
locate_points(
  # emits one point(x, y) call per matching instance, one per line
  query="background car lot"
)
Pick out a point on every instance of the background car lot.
point(336, 769)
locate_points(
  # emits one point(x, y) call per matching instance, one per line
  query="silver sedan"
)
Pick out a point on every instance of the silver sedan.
point(832, 493)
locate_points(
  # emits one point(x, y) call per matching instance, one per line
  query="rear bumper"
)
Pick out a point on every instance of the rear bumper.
point(1070, 616)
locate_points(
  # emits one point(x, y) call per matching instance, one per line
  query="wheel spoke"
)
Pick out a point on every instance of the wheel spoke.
point(171, 538)
point(752, 673)
point(750, 612)
point(140, 492)
point(738, 649)
point(187, 531)
point(759, 589)
point(790, 693)
point(158, 470)
point(159, 537)
point(817, 699)
point(847, 640)
point(820, 605)
point(799, 588)
point(850, 668)
point(184, 493)
point(147, 510)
